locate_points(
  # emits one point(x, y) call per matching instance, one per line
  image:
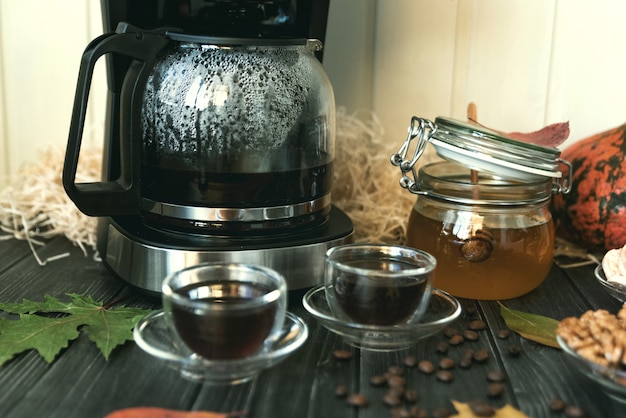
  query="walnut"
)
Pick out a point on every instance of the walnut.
point(598, 336)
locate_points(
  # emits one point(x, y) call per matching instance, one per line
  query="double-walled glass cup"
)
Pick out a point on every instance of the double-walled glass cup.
point(375, 284)
point(225, 311)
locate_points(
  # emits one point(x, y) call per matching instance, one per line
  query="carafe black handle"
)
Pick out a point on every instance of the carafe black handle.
point(119, 196)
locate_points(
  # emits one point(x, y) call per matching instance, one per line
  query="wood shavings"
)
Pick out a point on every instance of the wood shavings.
point(35, 207)
point(365, 184)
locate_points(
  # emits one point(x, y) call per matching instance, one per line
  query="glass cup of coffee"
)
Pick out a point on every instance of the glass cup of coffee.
point(225, 311)
point(377, 284)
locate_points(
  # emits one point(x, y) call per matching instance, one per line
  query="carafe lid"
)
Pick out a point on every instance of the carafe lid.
point(482, 149)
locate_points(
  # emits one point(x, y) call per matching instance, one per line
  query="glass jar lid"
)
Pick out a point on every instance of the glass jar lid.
point(482, 150)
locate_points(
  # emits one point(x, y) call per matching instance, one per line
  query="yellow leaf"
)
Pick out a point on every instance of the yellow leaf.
point(507, 411)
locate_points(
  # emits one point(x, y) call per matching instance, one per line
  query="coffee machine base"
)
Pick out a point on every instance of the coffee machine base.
point(143, 256)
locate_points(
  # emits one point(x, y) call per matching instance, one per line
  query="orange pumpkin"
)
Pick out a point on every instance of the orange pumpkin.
point(593, 214)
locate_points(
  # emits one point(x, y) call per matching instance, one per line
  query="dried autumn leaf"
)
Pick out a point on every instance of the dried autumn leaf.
point(540, 329)
point(106, 327)
point(154, 412)
point(507, 411)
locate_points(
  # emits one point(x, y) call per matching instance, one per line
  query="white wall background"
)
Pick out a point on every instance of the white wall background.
point(525, 63)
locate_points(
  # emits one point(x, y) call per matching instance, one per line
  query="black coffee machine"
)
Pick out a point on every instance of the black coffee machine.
point(219, 142)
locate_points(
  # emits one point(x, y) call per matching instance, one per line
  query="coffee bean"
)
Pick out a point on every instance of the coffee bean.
point(397, 391)
point(426, 367)
point(496, 376)
point(477, 325)
point(514, 350)
point(397, 370)
point(400, 412)
point(391, 399)
point(495, 389)
point(341, 391)
point(411, 396)
point(557, 405)
point(573, 411)
point(446, 363)
point(465, 362)
point(410, 361)
point(342, 355)
point(396, 381)
point(471, 311)
point(469, 352)
point(441, 413)
point(470, 335)
point(481, 409)
point(503, 334)
point(450, 331)
point(358, 400)
point(481, 355)
point(445, 376)
point(378, 380)
point(457, 340)
point(442, 347)
point(418, 412)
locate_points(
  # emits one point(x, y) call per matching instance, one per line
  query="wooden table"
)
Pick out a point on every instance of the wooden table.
point(80, 383)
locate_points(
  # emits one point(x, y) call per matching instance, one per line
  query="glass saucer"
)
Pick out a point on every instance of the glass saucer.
point(442, 310)
point(615, 289)
point(155, 338)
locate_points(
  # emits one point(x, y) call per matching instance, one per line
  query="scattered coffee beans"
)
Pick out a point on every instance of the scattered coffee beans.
point(495, 390)
point(471, 311)
point(378, 380)
point(465, 362)
point(390, 399)
point(341, 391)
point(426, 367)
point(400, 412)
point(495, 376)
point(477, 325)
point(514, 350)
point(503, 334)
point(457, 339)
point(397, 370)
point(573, 411)
point(342, 355)
point(418, 412)
point(470, 335)
point(396, 381)
point(358, 400)
point(410, 361)
point(450, 331)
point(445, 376)
point(442, 347)
point(482, 409)
point(446, 363)
point(441, 413)
point(411, 396)
point(557, 405)
point(481, 355)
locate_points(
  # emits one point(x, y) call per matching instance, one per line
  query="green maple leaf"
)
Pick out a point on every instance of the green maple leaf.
point(106, 327)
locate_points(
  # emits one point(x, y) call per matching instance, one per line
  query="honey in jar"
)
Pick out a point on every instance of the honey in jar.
point(489, 227)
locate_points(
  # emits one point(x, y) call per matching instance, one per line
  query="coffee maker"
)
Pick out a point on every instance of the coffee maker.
point(219, 139)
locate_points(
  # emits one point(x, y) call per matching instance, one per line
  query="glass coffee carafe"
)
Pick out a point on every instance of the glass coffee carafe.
point(221, 135)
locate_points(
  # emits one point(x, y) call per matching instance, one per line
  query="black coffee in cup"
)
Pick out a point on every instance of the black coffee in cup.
point(229, 329)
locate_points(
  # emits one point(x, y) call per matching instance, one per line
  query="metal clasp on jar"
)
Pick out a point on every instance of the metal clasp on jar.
point(422, 129)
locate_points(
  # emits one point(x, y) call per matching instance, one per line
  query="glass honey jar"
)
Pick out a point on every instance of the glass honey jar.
point(484, 211)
